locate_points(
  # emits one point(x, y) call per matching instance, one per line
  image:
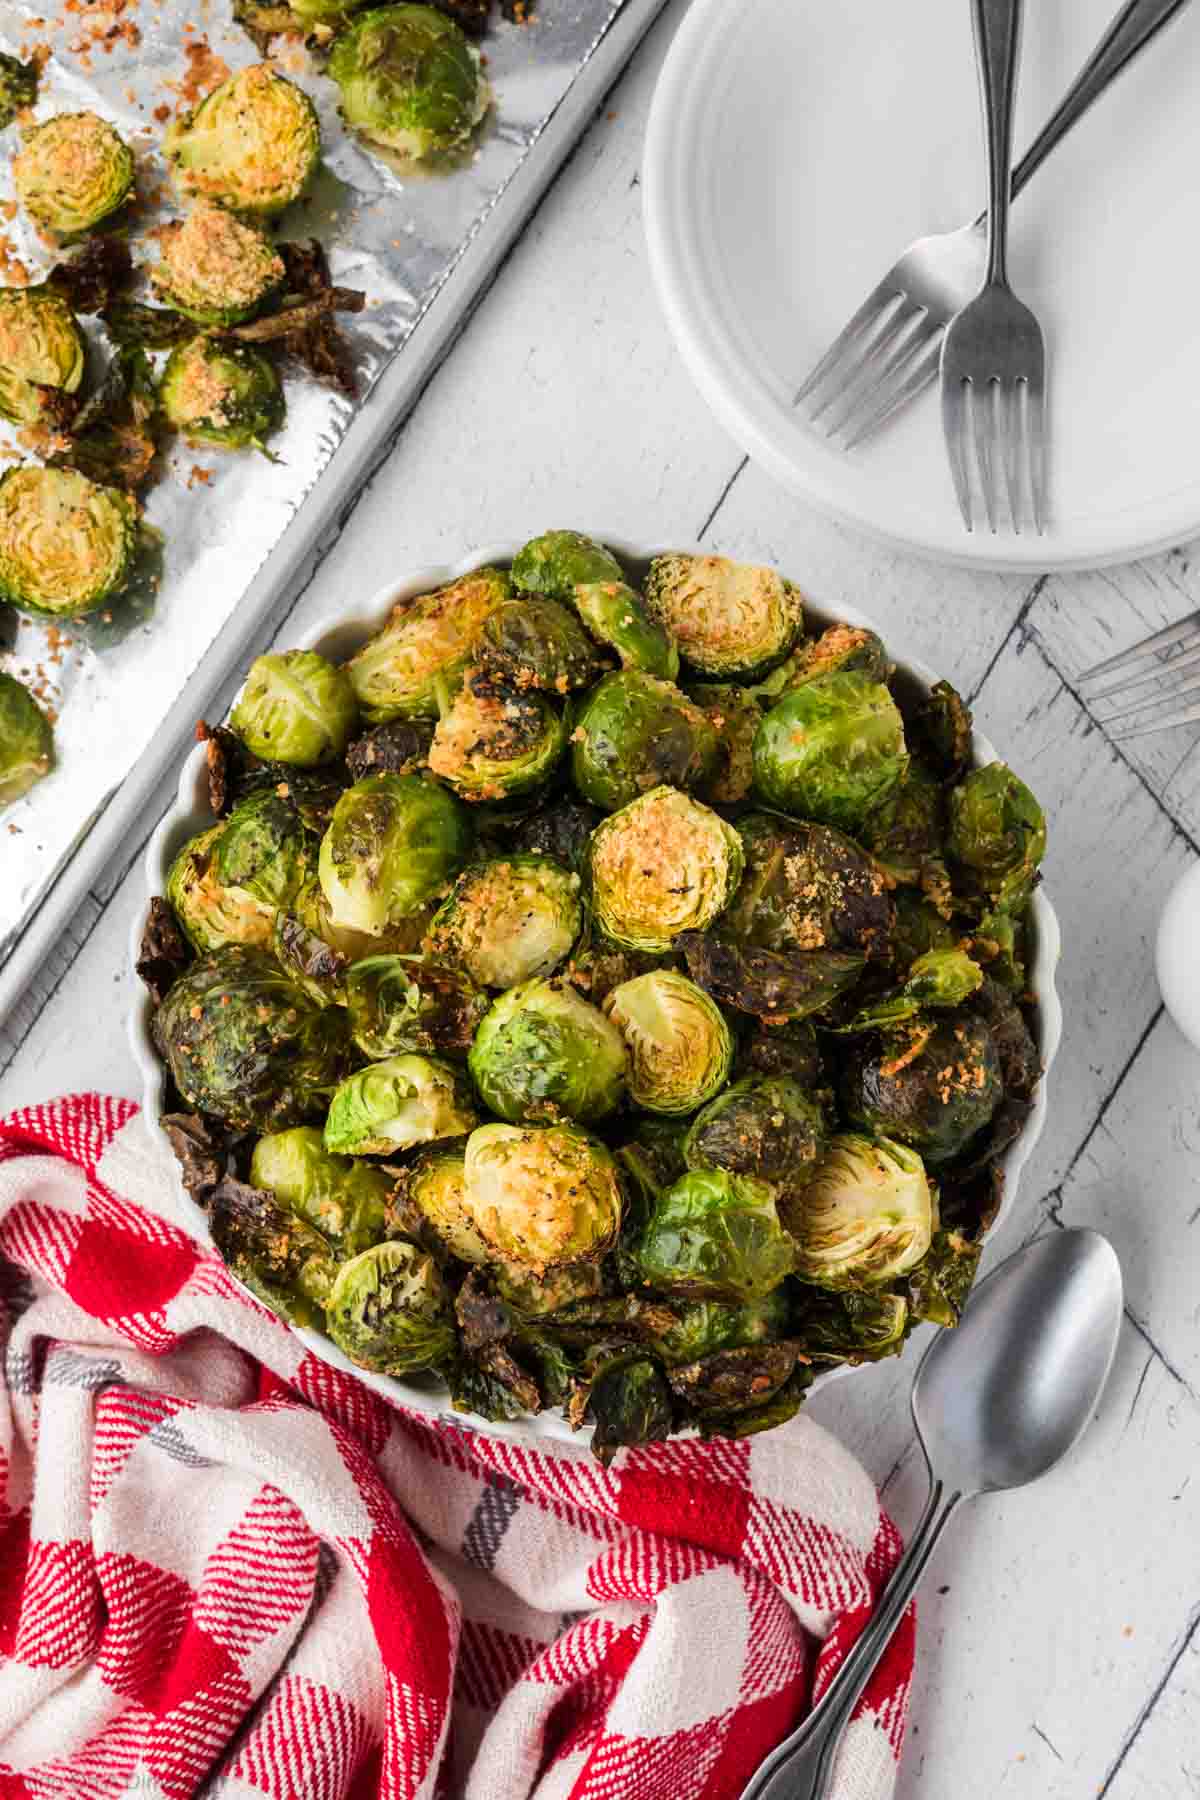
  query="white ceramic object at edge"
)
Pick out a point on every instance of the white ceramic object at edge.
point(793, 152)
point(338, 637)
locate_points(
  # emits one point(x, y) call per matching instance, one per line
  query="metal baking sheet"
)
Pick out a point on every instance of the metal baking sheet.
point(238, 529)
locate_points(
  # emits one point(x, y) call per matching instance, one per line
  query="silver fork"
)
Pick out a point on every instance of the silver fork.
point(1167, 664)
point(889, 350)
point(993, 356)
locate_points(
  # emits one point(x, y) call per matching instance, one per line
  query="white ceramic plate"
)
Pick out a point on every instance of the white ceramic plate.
point(794, 150)
point(338, 636)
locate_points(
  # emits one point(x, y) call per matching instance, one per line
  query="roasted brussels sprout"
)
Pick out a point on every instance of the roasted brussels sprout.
point(253, 144)
point(941, 731)
point(18, 87)
point(537, 1295)
point(295, 708)
point(245, 1045)
point(41, 347)
point(772, 985)
point(865, 1216)
point(223, 394)
point(67, 545)
point(906, 835)
point(663, 865)
point(415, 665)
point(831, 750)
point(716, 1234)
point(388, 1309)
point(852, 1325)
point(938, 1287)
point(634, 732)
point(558, 562)
point(931, 1085)
point(227, 884)
point(651, 1162)
point(496, 740)
point(72, 171)
point(840, 647)
point(410, 80)
point(284, 1261)
point(542, 1196)
point(630, 1403)
point(509, 920)
point(433, 1186)
point(917, 928)
point(940, 978)
point(215, 268)
point(728, 619)
point(680, 1048)
point(806, 887)
point(762, 1125)
point(26, 740)
point(615, 616)
point(405, 1003)
point(345, 1200)
point(393, 843)
point(704, 1327)
point(543, 1053)
point(392, 1105)
point(400, 747)
point(735, 716)
point(562, 832)
point(532, 641)
point(789, 1048)
point(997, 832)
point(317, 954)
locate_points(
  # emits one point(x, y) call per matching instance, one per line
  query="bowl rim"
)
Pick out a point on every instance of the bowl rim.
point(189, 812)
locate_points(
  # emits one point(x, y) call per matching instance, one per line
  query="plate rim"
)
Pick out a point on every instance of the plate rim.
point(189, 812)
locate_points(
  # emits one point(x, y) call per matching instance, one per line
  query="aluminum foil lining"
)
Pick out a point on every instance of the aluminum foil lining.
point(387, 229)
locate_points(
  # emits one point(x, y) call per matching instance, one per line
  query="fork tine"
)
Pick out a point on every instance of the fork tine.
point(887, 400)
point(1184, 631)
point(890, 344)
point(1188, 685)
point(873, 308)
point(881, 370)
point(1034, 412)
point(1164, 668)
point(1186, 715)
point(1012, 441)
point(954, 426)
point(982, 408)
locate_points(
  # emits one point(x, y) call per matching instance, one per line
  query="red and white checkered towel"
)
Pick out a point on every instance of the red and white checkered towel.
point(228, 1570)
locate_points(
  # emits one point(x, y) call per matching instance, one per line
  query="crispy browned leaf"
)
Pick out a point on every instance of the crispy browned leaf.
point(164, 951)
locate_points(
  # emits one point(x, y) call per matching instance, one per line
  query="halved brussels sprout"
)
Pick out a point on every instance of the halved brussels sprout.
point(558, 562)
point(680, 1048)
point(215, 268)
point(997, 832)
point(806, 887)
point(763, 1125)
point(26, 740)
point(415, 665)
point(345, 1200)
point(864, 1217)
point(227, 884)
point(615, 616)
point(663, 865)
point(392, 844)
point(629, 1403)
point(508, 920)
point(496, 741)
point(72, 171)
point(851, 1326)
point(398, 748)
point(773, 985)
point(735, 716)
point(41, 346)
point(244, 1044)
point(399, 1004)
point(223, 394)
point(727, 618)
point(840, 647)
point(542, 1196)
point(434, 1184)
point(392, 1105)
point(295, 708)
point(317, 954)
point(253, 144)
point(561, 832)
point(67, 545)
point(704, 1327)
point(634, 732)
point(717, 1234)
point(534, 642)
point(931, 1085)
point(410, 80)
point(285, 1262)
point(537, 1295)
point(212, 915)
point(388, 1309)
point(544, 1052)
point(831, 750)
point(940, 978)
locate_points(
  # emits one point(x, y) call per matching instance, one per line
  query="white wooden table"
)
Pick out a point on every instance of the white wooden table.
point(1059, 1642)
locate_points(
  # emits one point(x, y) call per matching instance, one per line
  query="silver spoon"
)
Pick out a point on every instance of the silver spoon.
point(996, 1403)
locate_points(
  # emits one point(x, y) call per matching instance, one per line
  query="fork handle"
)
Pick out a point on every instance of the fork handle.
point(997, 26)
point(1133, 28)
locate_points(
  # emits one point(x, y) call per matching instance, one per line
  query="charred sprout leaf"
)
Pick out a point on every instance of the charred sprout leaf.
point(201, 1149)
point(543, 1196)
point(863, 1217)
point(651, 1162)
point(305, 325)
point(906, 836)
point(853, 1326)
point(807, 887)
point(630, 1403)
point(773, 986)
point(831, 750)
point(399, 748)
point(917, 929)
point(561, 832)
point(939, 979)
point(414, 666)
point(941, 731)
point(262, 22)
point(276, 1254)
point(728, 1381)
point(938, 1287)
point(543, 1052)
point(781, 1407)
point(734, 715)
point(663, 866)
point(969, 1201)
point(997, 833)
point(43, 358)
point(134, 326)
point(164, 952)
point(998, 941)
point(409, 80)
point(399, 1004)
point(388, 1309)
point(933, 1084)
point(90, 280)
point(679, 1046)
point(701, 1328)
point(763, 1125)
point(112, 437)
point(72, 170)
point(492, 1383)
point(728, 619)
point(634, 732)
point(1020, 1059)
point(18, 87)
point(26, 740)
point(790, 1048)
point(509, 920)
point(392, 1105)
point(344, 1200)
point(252, 144)
point(715, 1234)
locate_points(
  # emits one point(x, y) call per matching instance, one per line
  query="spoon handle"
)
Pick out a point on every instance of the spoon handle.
point(800, 1767)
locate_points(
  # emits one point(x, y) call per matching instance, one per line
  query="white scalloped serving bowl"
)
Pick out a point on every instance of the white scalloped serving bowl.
point(337, 637)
